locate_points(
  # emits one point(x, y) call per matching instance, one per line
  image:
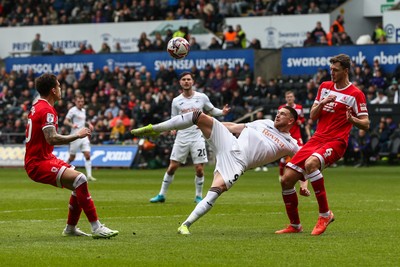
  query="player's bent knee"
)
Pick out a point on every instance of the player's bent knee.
point(312, 164)
point(79, 180)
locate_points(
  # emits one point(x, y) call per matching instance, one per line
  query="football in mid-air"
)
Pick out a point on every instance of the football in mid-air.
point(178, 47)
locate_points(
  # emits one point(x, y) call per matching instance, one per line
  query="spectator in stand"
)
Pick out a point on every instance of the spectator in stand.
point(214, 44)
point(393, 93)
point(383, 133)
point(378, 33)
point(362, 148)
point(193, 44)
point(168, 36)
point(89, 50)
point(317, 32)
point(259, 8)
point(241, 35)
point(37, 46)
point(246, 91)
point(345, 39)
point(117, 48)
point(313, 8)
point(158, 43)
point(105, 48)
point(378, 80)
point(339, 22)
point(230, 85)
point(323, 41)
point(49, 51)
point(309, 41)
point(142, 41)
point(255, 44)
point(392, 126)
point(381, 98)
point(182, 32)
point(333, 37)
point(229, 37)
point(300, 9)
point(125, 120)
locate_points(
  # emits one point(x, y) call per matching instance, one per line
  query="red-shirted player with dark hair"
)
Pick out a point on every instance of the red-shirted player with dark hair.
point(338, 107)
point(43, 167)
point(295, 132)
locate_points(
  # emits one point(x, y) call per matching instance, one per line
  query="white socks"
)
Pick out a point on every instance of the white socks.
point(199, 182)
point(178, 122)
point(88, 167)
point(202, 208)
point(165, 184)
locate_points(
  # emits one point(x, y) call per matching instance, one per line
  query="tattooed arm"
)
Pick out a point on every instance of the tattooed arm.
point(53, 138)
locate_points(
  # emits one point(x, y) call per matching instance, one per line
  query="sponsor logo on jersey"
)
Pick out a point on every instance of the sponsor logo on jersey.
point(50, 118)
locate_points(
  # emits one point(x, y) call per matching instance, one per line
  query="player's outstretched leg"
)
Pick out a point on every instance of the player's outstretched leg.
point(178, 122)
point(201, 208)
point(145, 131)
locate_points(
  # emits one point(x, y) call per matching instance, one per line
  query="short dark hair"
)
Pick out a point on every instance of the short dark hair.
point(45, 82)
point(343, 59)
point(185, 73)
point(293, 112)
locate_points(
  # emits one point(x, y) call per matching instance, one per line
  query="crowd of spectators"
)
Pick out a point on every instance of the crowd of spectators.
point(124, 98)
point(34, 12)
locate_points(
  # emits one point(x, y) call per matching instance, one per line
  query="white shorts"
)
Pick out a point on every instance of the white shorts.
point(229, 157)
point(79, 145)
point(197, 150)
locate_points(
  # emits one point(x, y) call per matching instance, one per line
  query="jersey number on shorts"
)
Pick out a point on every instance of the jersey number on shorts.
point(234, 179)
point(202, 152)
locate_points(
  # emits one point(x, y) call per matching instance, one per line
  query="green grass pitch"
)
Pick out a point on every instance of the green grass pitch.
point(238, 231)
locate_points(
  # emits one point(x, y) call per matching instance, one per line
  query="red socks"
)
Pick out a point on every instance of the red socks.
point(320, 194)
point(291, 203)
point(86, 202)
point(74, 211)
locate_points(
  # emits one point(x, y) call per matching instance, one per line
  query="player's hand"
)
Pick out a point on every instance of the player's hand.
point(305, 192)
point(349, 115)
point(75, 126)
point(226, 109)
point(84, 132)
point(330, 98)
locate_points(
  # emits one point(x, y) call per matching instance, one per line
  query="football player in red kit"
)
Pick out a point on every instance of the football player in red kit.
point(339, 105)
point(43, 167)
point(295, 132)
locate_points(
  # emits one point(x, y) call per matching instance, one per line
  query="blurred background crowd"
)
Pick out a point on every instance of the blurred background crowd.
point(120, 99)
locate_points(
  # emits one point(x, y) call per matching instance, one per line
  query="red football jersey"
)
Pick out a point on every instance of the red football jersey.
point(295, 131)
point(41, 115)
point(332, 122)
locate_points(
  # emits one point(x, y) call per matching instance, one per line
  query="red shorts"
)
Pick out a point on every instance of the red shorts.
point(327, 151)
point(47, 171)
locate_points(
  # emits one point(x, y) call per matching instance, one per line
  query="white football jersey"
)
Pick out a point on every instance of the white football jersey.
point(77, 117)
point(182, 105)
point(262, 143)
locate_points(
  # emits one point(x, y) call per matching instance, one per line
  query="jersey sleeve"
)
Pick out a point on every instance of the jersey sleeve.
point(360, 105)
point(318, 97)
point(48, 118)
point(69, 114)
point(208, 106)
point(174, 108)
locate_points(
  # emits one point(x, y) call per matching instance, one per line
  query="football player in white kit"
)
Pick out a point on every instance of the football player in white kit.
point(76, 119)
point(188, 140)
point(238, 148)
